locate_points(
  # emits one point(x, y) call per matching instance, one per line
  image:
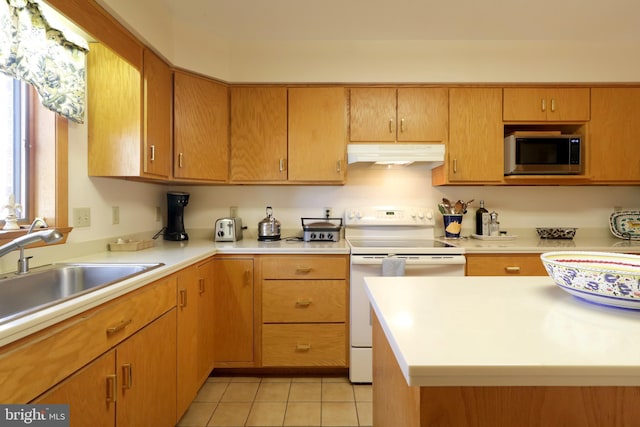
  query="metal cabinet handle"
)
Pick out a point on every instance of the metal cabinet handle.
point(247, 277)
point(402, 125)
point(543, 105)
point(153, 153)
point(112, 388)
point(455, 165)
point(390, 125)
point(117, 328)
point(553, 105)
point(183, 298)
point(303, 270)
point(339, 166)
point(512, 269)
point(201, 285)
point(281, 166)
point(303, 347)
point(306, 302)
point(127, 376)
point(180, 156)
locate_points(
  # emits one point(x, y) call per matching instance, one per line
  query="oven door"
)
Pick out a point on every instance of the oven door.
point(360, 355)
point(371, 265)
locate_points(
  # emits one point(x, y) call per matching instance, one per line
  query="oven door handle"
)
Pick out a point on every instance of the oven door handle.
point(411, 260)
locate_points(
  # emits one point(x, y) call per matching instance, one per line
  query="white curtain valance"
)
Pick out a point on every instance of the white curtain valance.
point(32, 51)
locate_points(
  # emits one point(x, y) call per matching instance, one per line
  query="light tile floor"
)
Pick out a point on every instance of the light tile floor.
point(280, 401)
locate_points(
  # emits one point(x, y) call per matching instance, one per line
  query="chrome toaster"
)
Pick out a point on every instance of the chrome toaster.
point(228, 230)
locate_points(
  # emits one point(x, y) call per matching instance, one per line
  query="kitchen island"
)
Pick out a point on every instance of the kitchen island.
point(500, 351)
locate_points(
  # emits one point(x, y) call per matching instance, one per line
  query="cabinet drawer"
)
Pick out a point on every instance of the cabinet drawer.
point(303, 301)
point(505, 265)
point(30, 366)
point(305, 267)
point(304, 345)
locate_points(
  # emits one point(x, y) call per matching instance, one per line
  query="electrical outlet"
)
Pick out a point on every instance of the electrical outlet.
point(158, 214)
point(81, 217)
point(115, 215)
point(328, 212)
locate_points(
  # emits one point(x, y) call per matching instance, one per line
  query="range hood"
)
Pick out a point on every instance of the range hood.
point(431, 155)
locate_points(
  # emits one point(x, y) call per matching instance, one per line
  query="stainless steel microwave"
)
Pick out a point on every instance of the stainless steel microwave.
point(543, 155)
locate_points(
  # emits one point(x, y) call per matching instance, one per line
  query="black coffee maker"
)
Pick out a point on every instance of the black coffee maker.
point(176, 201)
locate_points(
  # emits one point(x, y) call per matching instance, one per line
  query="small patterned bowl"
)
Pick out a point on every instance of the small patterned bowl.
point(602, 277)
point(556, 232)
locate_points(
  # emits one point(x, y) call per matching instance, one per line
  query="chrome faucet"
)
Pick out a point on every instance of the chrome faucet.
point(36, 221)
point(47, 236)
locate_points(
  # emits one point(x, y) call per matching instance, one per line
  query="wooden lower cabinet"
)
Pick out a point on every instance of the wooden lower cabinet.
point(504, 265)
point(91, 393)
point(234, 313)
point(304, 310)
point(131, 385)
point(195, 332)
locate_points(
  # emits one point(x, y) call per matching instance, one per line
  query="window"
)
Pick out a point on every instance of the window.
point(14, 147)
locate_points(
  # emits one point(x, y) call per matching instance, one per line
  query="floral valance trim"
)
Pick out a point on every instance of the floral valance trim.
point(32, 51)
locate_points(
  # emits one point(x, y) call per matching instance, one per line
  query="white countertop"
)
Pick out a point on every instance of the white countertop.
point(527, 241)
point(496, 331)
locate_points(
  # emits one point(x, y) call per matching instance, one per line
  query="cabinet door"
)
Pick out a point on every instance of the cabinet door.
point(524, 104)
point(476, 142)
point(317, 134)
point(423, 114)
point(613, 147)
point(114, 114)
point(158, 95)
point(206, 320)
point(546, 104)
point(234, 311)
point(146, 364)
point(90, 393)
point(568, 104)
point(258, 134)
point(187, 370)
point(201, 118)
point(372, 115)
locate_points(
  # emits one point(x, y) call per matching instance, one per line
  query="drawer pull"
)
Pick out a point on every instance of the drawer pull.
point(127, 376)
point(303, 270)
point(306, 302)
point(512, 269)
point(112, 384)
point(303, 347)
point(117, 328)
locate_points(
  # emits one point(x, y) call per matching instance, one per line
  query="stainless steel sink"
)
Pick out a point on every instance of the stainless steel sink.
point(52, 284)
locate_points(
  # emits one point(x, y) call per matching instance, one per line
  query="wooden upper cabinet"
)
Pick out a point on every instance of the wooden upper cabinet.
point(114, 114)
point(476, 147)
point(158, 97)
point(613, 148)
point(258, 134)
point(201, 120)
point(317, 134)
point(398, 114)
point(546, 104)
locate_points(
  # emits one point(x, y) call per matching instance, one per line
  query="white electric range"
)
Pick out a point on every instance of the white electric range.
point(376, 234)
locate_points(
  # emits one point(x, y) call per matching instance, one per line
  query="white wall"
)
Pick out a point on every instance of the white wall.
point(344, 62)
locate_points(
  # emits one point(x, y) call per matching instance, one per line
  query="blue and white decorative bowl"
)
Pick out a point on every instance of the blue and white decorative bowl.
point(601, 277)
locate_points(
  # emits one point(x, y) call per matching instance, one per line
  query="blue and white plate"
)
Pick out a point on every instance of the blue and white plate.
point(625, 224)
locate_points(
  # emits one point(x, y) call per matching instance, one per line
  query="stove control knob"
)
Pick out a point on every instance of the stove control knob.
point(329, 236)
